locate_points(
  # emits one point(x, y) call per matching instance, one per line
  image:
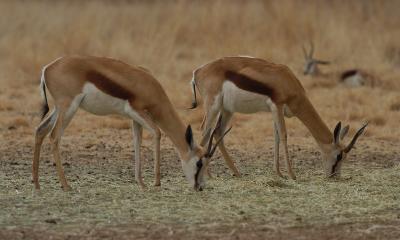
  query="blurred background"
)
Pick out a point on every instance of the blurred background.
point(172, 38)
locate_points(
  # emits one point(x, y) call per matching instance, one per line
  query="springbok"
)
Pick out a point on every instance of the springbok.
point(250, 85)
point(349, 78)
point(357, 78)
point(104, 86)
point(311, 64)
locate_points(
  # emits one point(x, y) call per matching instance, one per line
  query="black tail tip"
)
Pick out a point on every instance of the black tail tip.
point(45, 110)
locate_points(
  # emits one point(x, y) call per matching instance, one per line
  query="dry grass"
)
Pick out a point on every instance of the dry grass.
point(257, 198)
point(105, 194)
point(171, 38)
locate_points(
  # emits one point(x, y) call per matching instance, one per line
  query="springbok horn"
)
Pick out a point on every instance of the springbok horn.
point(353, 141)
point(217, 126)
point(304, 52)
point(311, 49)
point(323, 62)
point(218, 141)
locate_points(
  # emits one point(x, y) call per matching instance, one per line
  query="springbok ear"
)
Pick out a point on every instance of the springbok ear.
point(336, 132)
point(189, 137)
point(344, 131)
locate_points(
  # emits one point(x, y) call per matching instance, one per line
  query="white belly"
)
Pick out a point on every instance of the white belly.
point(99, 103)
point(238, 100)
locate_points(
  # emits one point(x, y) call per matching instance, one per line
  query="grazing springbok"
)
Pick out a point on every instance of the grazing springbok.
point(104, 86)
point(311, 64)
point(250, 85)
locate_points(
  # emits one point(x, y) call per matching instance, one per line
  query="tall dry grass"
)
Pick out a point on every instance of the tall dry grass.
point(174, 37)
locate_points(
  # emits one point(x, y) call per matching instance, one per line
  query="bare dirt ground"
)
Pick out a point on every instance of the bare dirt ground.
point(106, 202)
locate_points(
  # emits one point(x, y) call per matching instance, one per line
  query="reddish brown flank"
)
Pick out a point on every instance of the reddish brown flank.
point(108, 86)
point(248, 84)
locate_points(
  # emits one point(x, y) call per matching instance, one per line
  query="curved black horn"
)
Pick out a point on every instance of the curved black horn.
point(311, 49)
point(353, 141)
point(323, 62)
point(218, 141)
point(217, 126)
point(304, 52)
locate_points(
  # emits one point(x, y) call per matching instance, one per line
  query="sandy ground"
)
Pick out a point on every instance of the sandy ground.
point(106, 202)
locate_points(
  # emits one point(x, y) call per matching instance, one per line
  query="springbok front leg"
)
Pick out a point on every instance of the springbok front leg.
point(280, 121)
point(276, 150)
point(144, 120)
point(225, 118)
point(137, 142)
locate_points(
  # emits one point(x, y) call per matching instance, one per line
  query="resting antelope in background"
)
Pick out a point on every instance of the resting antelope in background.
point(250, 85)
point(349, 78)
point(311, 64)
point(105, 86)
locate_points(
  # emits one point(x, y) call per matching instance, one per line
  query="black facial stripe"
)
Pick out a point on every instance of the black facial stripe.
point(199, 165)
point(338, 159)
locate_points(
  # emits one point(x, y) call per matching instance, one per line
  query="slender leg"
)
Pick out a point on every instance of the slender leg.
point(137, 139)
point(157, 170)
point(55, 138)
point(41, 132)
point(212, 108)
point(69, 114)
point(226, 117)
point(276, 154)
point(147, 122)
point(152, 127)
point(283, 137)
point(209, 116)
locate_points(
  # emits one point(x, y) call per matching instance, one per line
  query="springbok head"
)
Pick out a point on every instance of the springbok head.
point(311, 64)
point(200, 158)
point(337, 152)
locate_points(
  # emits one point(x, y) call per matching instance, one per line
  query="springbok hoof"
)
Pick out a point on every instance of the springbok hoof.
point(67, 188)
point(292, 176)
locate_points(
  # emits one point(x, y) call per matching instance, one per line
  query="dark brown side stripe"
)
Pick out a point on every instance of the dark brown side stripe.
point(106, 85)
point(249, 84)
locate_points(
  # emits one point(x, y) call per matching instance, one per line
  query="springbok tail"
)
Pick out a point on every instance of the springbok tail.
point(45, 104)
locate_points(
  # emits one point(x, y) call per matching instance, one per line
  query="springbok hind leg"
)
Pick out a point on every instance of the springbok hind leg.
point(55, 138)
point(41, 132)
point(211, 110)
point(226, 116)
